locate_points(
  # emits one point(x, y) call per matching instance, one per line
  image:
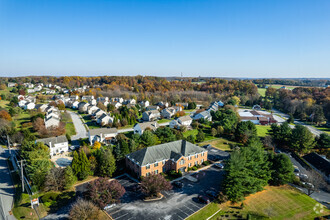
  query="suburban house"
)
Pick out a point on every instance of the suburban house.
point(56, 144)
point(29, 106)
point(87, 97)
point(178, 108)
point(183, 104)
point(102, 99)
point(206, 115)
point(91, 109)
point(74, 97)
point(10, 84)
point(181, 121)
point(52, 122)
point(162, 104)
point(177, 155)
point(116, 104)
point(152, 107)
point(41, 107)
point(104, 119)
point(130, 101)
point(144, 104)
point(98, 113)
point(92, 102)
point(257, 117)
point(75, 104)
point(139, 128)
point(150, 115)
point(167, 112)
point(53, 113)
point(82, 106)
point(102, 135)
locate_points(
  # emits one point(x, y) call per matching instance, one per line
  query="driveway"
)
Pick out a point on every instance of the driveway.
point(131, 129)
point(79, 126)
point(177, 204)
point(6, 187)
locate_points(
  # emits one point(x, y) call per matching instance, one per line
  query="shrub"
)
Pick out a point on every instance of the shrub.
point(49, 197)
point(206, 163)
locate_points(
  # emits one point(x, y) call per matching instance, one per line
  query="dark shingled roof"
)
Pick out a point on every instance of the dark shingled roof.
point(53, 140)
point(318, 162)
point(172, 150)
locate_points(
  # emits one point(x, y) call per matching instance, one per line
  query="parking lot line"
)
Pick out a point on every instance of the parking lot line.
point(112, 213)
point(195, 205)
point(177, 214)
point(183, 212)
point(188, 208)
point(122, 216)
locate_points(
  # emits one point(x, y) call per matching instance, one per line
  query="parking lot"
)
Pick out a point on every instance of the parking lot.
point(176, 204)
point(215, 154)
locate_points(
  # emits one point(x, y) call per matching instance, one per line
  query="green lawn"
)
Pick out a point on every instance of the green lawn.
point(282, 202)
point(194, 132)
point(70, 129)
point(262, 130)
point(3, 103)
point(220, 143)
point(164, 120)
point(262, 91)
point(324, 129)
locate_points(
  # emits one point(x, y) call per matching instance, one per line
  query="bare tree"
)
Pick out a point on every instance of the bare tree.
point(83, 210)
point(314, 182)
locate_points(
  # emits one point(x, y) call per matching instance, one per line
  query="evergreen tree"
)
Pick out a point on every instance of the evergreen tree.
point(107, 164)
point(76, 168)
point(69, 176)
point(200, 137)
point(281, 168)
point(165, 134)
point(302, 139)
point(148, 138)
point(85, 165)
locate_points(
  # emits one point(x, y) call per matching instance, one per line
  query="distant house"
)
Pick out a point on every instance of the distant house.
point(257, 117)
point(183, 104)
point(41, 107)
point(91, 109)
point(130, 101)
point(152, 107)
point(178, 108)
point(102, 99)
point(177, 155)
point(102, 135)
point(29, 106)
point(206, 115)
point(144, 104)
point(51, 122)
point(181, 121)
point(167, 112)
point(92, 102)
point(162, 104)
point(74, 97)
point(98, 113)
point(82, 106)
point(139, 128)
point(150, 115)
point(75, 105)
point(22, 103)
point(11, 84)
point(104, 119)
point(116, 104)
point(56, 144)
point(30, 90)
point(87, 97)
point(53, 113)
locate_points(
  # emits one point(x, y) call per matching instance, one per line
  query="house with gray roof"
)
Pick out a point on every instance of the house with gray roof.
point(206, 115)
point(139, 128)
point(150, 115)
point(177, 155)
point(102, 135)
point(56, 145)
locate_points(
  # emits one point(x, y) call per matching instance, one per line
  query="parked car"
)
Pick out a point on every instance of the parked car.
point(211, 193)
point(296, 169)
point(303, 177)
point(219, 165)
point(204, 199)
point(308, 185)
point(177, 184)
point(278, 151)
point(207, 146)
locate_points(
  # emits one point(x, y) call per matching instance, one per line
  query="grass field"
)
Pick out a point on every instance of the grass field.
point(164, 120)
point(262, 91)
point(194, 132)
point(324, 129)
point(262, 130)
point(220, 143)
point(283, 202)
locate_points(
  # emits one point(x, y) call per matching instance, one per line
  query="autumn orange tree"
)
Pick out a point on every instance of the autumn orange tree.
point(5, 115)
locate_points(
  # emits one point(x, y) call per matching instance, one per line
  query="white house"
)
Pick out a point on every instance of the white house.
point(41, 107)
point(11, 84)
point(22, 103)
point(29, 106)
point(116, 104)
point(98, 113)
point(52, 122)
point(92, 102)
point(144, 103)
point(150, 115)
point(102, 135)
point(139, 128)
point(75, 105)
point(102, 99)
point(104, 119)
point(56, 144)
point(82, 106)
point(181, 121)
point(91, 109)
point(152, 107)
point(30, 90)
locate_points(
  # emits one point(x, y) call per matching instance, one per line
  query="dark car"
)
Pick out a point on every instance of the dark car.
point(211, 193)
point(204, 199)
point(177, 184)
point(219, 165)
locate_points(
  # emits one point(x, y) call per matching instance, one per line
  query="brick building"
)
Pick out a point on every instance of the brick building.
point(176, 155)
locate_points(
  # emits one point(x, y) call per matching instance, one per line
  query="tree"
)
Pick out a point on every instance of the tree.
point(5, 115)
point(281, 168)
point(234, 101)
point(191, 138)
point(80, 165)
point(323, 141)
point(192, 105)
point(103, 192)
point(245, 130)
point(214, 132)
point(281, 134)
point(152, 185)
point(101, 106)
point(39, 125)
point(165, 134)
point(69, 177)
point(84, 210)
point(96, 145)
point(302, 139)
point(290, 119)
point(107, 164)
point(200, 137)
point(247, 171)
point(148, 138)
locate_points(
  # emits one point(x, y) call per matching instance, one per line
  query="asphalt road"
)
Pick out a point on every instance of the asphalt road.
point(177, 204)
point(7, 191)
point(131, 129)
point(79, 126)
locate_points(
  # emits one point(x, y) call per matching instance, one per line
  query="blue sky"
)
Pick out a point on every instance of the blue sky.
point(233, 38)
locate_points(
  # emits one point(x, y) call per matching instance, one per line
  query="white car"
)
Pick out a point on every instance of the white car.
point(219, 165)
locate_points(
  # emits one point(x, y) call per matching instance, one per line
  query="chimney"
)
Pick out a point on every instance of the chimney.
point(183, 147)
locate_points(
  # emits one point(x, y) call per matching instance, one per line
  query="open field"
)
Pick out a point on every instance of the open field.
point(220, 143)
point(262, 91)
point(3, 103)
point(195, 131)
point(164, 120)
point(324, 129)
point(282, 202)
point(262, 130)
